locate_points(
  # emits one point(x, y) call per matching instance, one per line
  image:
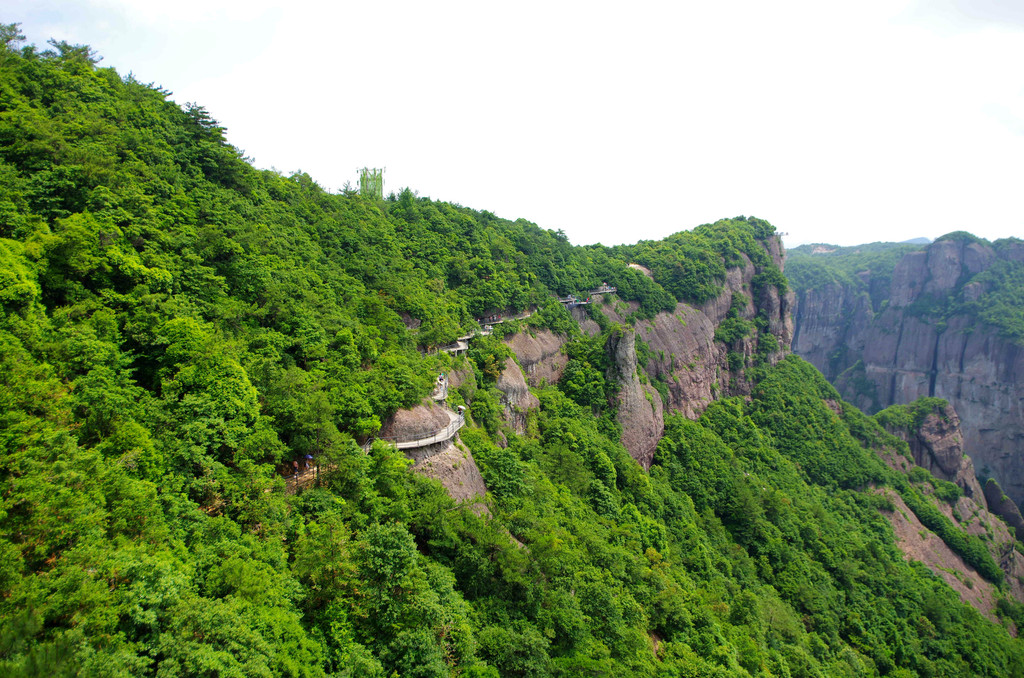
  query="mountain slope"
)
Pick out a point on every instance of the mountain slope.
point(178, 329)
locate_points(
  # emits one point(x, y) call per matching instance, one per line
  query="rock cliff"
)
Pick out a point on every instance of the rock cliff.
point(687, 367)
point(421, 421)
point(453, 465)
point(516, 397)
point(1003, 506)
point(540, 354)
point(937, 445)
point(685, 355)
point(639, 405)
point(919, 544)
point(925, 338)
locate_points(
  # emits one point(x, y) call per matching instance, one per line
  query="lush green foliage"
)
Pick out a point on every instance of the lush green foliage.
point(176, 326)
point(814, 266)
point(692, 264)
point(909, 417)
point(1003, 304)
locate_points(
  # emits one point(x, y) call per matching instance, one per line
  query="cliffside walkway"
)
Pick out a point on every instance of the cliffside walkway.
point(501, 319)
point(572, 301)
point(421, 439)
point(440, 389)
point(308, 473)
point(461, 344)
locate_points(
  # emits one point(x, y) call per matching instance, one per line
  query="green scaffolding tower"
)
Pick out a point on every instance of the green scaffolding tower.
point(371, 183)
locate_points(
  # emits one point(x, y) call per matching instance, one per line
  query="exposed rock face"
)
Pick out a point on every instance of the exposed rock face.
point(540, 354)
point(937, 445)
point(643, 269)
point(516, 396)
point(921, 544)
point(640, 408)
point(409, 321)
point(970, 515)
point(898, 352)
point(683, 351)
point(1003, 506)
point(973, 518)
point(830, 320)
point(461, 375)
point(421, 421)
point(457, 471)
point(686, 356)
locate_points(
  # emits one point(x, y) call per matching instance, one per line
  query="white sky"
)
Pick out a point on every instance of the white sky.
point(837, 122)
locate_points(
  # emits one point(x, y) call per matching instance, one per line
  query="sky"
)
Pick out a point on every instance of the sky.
point(615, 122)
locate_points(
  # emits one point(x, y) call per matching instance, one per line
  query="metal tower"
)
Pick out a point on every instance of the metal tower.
point(371, 183)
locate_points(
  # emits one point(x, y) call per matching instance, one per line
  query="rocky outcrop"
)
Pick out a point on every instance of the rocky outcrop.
point(540, 354)
point(906, 346)
point(935, 442)
point(639, 406)
point(1003, 506)
point(920, 544)
point(456, 469)
point(685, 360)
point(686, 357)
point(516, 397)
point(421, 421)
point(643, 269)
point(970, 515)
point(937, 445)
point(463, 374)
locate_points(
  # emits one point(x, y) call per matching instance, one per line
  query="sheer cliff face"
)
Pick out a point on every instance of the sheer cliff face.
point(903, 351)
point(684, 356)
point(516, 398)
point(640, 410)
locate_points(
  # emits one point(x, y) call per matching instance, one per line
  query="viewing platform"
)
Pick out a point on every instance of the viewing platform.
point(573, 301)
point(458, 347)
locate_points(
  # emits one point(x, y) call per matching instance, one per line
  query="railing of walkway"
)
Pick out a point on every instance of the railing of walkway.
point(421, 438)
point(445, 434)
point(461, 343)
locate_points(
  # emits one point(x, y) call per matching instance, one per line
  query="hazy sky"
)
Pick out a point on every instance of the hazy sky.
point(837, 122)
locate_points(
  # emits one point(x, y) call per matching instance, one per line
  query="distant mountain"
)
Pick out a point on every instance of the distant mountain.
point(916, 241)
point(887, 325)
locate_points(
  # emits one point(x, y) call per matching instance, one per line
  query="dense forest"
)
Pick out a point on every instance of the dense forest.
point(177, 328)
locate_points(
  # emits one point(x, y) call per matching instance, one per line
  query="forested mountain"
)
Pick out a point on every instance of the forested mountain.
point(890, 323)
point(667, 493)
